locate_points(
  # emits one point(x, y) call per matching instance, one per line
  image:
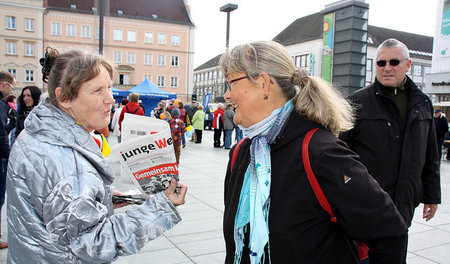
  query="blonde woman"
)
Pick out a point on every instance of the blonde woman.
point(271, 212)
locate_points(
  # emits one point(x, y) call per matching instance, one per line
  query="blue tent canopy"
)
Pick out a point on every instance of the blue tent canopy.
point(148, 90)
point(150, 95)
point(118, 92)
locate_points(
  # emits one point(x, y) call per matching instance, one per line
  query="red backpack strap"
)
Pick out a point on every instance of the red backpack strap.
point(312, 179)
point(235, 153)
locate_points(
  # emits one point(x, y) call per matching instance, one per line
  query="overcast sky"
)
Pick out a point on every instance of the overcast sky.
point(264, 19)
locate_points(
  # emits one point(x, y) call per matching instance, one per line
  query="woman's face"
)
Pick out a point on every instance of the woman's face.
point(27, 98)
point(247, 99)
point(92, 107)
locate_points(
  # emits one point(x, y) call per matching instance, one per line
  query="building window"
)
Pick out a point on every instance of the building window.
point(148, 77)
point(418, 73)
point(29, 24)
point(160, 81)
point(85, 31)
point(118, 35)
point(174, 82)
point(10, 22)
point(29, 76)
point(29, 49)
point(161, 60)
point(131, 57)
point(13, 72)
point(301, 61)
point(369, 71)
point(71, 30)
point(117, 57)
point(11, 48)
point(175, 61)
point(162, 38)
point(148, 59)
point(148, 37)
point(175, 40)
point(131, 36)
point(56, 28)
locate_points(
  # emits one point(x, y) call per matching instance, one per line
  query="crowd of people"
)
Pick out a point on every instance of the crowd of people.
point(315, 177)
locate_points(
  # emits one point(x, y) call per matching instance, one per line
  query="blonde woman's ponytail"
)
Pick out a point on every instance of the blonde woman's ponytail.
point(321, 103)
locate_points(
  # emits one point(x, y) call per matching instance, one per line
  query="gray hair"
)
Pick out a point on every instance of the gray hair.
point(393, 43)
point(313, 97)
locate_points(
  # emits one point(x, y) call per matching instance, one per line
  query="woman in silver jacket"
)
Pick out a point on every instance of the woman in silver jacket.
point(59, 189)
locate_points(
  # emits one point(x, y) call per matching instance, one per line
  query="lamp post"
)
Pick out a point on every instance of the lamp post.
point(228, 8)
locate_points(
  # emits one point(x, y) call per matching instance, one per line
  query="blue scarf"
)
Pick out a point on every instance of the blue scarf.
point(254, 200)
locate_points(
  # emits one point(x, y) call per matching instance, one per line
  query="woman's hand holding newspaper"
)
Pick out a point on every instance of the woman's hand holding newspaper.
point(176, 197)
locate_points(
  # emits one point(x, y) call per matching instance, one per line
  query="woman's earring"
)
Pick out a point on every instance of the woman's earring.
point(266, 97)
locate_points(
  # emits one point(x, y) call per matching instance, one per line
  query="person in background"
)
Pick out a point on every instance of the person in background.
point(441, 125)
point(198, 123)
point(115, 120)
point(189, 115)
point(141, 105)
point(218, 125)
point(177, 129)
point(228, 124)
point(271, 212)
point(393, 109)
point(183, 119)
point(7, 83)
point(60, 207)
point(131, 108)
point(11, 109)
point(161, 109)
point(28, 99)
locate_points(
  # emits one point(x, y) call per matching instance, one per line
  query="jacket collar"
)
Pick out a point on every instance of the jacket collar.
point(295, 126)
point(414, 93)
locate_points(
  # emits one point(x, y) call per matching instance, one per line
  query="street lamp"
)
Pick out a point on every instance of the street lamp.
point(228, 8)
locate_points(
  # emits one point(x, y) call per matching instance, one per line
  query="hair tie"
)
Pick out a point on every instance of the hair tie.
point(300, 77)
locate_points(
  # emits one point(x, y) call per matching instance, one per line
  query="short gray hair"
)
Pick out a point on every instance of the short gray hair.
point(391, 43)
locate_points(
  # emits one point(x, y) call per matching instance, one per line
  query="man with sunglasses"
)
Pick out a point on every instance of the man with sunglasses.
point(7, 83)
point(395, 136)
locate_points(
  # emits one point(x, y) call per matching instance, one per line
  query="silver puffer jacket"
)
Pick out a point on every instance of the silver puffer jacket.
point(59, 198)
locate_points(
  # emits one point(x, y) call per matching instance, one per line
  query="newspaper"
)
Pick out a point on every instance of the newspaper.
point(146, 153)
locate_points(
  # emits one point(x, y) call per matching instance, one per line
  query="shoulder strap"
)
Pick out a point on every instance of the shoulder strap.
point(235, 153)
point(312, 179)
point(137, 109)
point(127, 108)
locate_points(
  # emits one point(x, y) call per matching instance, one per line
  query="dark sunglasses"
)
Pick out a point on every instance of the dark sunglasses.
point(393, 62)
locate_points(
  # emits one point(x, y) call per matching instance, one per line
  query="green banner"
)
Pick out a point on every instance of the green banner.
point(327, 52)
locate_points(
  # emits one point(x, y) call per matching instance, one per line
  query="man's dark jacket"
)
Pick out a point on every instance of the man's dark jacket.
point(300, 229)
point(403, 159)
point(4, 142)
point(441, 126)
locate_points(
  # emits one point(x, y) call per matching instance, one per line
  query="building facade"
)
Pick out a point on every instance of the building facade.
point(21, 41)
point(438, 80)
point(303, 40)
point(145, 43)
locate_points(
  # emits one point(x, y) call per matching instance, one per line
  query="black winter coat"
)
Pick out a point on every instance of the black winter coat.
point(300, 230)
point(404, 160)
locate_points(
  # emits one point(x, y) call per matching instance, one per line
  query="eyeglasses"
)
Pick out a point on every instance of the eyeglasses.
point(10, 85)
point(393, 62)
point(237, 79)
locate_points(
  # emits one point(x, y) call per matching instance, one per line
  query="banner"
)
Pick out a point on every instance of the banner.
point(327, 52)
point(444, 38)
point(206, 101)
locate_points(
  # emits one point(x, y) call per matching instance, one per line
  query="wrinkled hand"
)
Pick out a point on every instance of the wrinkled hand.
point(429, 210)
point(118, 205)
point(174, 197)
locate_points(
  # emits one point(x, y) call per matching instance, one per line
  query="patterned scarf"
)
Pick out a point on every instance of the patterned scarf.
point(254, 200)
